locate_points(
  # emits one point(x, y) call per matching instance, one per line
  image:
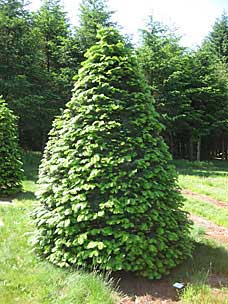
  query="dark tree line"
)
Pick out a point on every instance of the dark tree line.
point(190, 89)
point(40, 52)
point(39, 55)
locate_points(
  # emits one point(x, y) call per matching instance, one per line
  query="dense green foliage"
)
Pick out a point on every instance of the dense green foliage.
point(166, 67)
point(41, 53)
point(108, 195)
point(93, 13)
point(24, 82)
point(11, 172)
point(190, 90)
point(219, 37)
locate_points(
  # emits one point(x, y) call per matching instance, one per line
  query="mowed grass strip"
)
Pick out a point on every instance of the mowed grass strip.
point(214, 187)
point(217, 215)
point(209, 258)
point(208, 178)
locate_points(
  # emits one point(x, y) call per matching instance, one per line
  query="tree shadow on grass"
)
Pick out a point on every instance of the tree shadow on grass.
point(25, 196)
point(5, 200)
point(22, 196)
point(208, 265)
point(205, 169)
point(203, 173)
point(208, 258)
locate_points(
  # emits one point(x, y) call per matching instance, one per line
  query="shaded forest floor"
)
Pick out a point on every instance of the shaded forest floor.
point(25, 279)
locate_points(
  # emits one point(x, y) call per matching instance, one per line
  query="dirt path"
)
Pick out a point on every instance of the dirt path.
point(205, 198)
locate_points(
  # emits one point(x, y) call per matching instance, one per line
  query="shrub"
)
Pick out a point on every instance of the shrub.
point(11, 172)
point(108, 195)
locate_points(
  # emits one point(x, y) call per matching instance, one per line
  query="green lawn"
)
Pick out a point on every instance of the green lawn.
point(25, 279)
point(209, 178)
point(217, 215)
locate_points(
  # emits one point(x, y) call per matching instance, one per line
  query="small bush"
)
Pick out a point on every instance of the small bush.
point(11, 172)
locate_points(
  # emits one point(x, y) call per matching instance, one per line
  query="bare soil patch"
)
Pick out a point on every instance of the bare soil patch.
point(205, 198)
point(218, 281)
point(139, 290)
point(146, 300)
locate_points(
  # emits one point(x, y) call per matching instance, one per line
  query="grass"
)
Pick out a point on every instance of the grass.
point(208, 258)
point(208, 178)
point(211, 179)
point(209, 211)
point(201, 293)
point(24, 279)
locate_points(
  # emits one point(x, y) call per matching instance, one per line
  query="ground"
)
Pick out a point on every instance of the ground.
point(25, 279)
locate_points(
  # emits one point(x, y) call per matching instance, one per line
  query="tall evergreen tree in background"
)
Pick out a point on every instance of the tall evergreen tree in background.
point(217, 44)
point(219, 37)
point(190, 91)
point(165, 65)
point(53, 27)
point(207, 92)
point(53, 30)
point(93, 14)
point(21, 77)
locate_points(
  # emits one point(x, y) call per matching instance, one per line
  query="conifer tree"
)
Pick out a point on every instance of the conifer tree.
point(165, 65)
point(93, 14)
point(54, 34)
point(108, 195)
point(11, 172)
point(219, 37)
point(53, 26)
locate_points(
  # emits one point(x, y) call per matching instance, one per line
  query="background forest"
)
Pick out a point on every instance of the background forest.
point(41, 52)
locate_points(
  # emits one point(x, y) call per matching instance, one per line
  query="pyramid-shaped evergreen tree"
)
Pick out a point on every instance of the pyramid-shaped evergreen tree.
point(11, 172)
point(108, 195)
